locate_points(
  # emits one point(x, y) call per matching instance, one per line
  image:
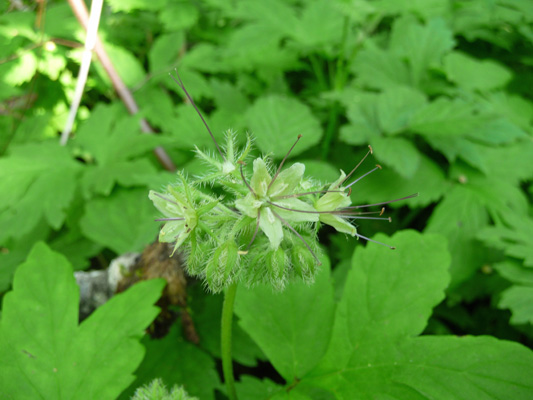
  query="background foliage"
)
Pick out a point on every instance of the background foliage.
point(441, 89)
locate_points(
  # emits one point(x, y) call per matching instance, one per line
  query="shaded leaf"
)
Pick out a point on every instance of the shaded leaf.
point(179, 362)
point(277, 121)
point(37, 180)
point(469, 73)
point(293, 321)
point(123, 222)
point(47, 355)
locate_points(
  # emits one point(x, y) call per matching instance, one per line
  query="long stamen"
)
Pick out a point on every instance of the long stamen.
point(375, 241)
point(255, 232)
point(169, 219)
point(306, 193)
point(356, 217)
point(345, 212)
point(165, 198)
point(297, 234)
point(362, 176)
point(385, 202)
point(283, 162)
point(182, 86)
point(369, 212)
point(370, 151)
point(241, 163)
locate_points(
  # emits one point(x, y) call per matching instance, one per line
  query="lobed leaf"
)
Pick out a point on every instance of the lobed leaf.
point(47, 355)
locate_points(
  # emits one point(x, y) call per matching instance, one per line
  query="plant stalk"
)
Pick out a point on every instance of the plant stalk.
point(225, 342)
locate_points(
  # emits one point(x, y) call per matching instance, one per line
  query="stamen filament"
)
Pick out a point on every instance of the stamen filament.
point(375, 241)
point(283, 162)
point(241, 163)
point(357, 166)
point(306, 193)
point(165, 198)
point(297, 234)
point(376, 218)
point(362, 176)
point(385, 202)
point(182, 86)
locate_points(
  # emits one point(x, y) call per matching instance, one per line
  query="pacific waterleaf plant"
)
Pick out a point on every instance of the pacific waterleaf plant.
point(258, 229)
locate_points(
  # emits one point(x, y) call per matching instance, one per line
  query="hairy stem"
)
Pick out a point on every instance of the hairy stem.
point(225, 342)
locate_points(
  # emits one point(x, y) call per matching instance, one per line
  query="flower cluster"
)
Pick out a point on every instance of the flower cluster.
point(264, 226)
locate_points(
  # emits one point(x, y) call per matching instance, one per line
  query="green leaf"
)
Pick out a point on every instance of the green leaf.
point(129, 5)
point(228, 97)
point(380, 69)
point(422, 46)
point(19, 70)
point(459, 217)
point(398, 153)
point(75, 247)
point(396, 106)
point(386, 184)
point(37, 180)
point(165, 52)
point(47, 355)
point(423, 8)
point(188, 130)
point(249, 387)
point(448, 118)
point(124, 222)
point(176, 15)
point(283, 331)
point(371, 115)
point(128, 67)
point(469, 73)
point(276, 122)
point(320, 24)
point(14, 252)
point(519, 299)
point(515, 272)
point(381, 302)
point(386, 302)
point(439, 367)
point(276, 14)
point(113, 141)
point(179, 362)
point(514, 237)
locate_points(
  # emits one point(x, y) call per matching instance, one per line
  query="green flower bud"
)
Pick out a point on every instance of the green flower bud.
point(277, 264)
point(303, 263)
point(223, 266)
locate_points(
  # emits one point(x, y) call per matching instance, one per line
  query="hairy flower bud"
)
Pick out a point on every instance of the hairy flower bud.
point(222, 266)
point(303, 263)
point(277, 263)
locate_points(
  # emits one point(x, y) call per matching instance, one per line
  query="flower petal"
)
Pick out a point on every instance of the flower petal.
point(295, 204)
point(341, 225)
point(261, 178)
point(171, 230)
point(248, 205)
point(333, 201)
point(287, 181)
point(271, 226)
point(167, 208)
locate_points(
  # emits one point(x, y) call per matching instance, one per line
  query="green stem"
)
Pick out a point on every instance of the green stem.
point(317, 69)
point(225, 343)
